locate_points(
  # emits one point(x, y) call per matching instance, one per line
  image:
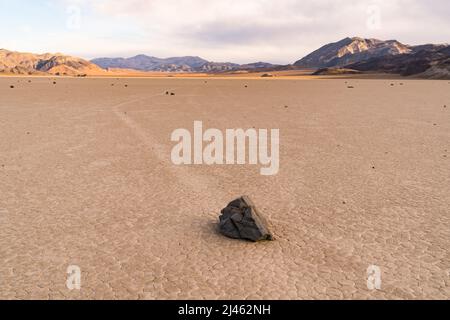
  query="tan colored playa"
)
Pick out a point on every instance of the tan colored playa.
point(86, 179)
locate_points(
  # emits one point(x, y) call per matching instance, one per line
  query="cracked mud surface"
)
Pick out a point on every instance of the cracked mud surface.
point(86, 179)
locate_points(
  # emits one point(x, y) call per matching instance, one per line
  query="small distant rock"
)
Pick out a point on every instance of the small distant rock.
point(334, 72)
point(12, 87)
point(54, 82)
point(172, 93)
point(241, 220)
point(267, 75)
point(351, 87)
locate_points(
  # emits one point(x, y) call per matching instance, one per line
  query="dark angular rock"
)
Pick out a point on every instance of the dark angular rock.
point(241, 220)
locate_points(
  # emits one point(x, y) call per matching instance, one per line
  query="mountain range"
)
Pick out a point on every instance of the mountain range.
point(12, 62)
point(349, 55)
point(372, 55)
point(351, 50)
point(175, 64)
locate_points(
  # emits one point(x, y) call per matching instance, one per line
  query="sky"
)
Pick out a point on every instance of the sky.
point(240, 31)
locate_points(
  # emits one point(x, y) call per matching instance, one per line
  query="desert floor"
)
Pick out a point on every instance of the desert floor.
point(86, 179)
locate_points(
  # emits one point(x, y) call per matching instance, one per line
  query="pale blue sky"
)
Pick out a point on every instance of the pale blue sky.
point(279, 31)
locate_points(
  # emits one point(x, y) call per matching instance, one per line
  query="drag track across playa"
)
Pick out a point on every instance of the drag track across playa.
point(86, 179)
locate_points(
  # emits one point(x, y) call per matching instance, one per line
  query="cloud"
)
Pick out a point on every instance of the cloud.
point(279, 31)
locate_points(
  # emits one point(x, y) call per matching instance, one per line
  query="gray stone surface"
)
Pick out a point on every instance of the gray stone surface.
point(241, 220)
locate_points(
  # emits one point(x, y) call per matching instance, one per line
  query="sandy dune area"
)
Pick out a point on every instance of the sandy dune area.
point(86, 179)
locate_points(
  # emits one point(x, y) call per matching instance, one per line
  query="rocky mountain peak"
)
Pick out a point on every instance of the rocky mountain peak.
point(351, 50)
